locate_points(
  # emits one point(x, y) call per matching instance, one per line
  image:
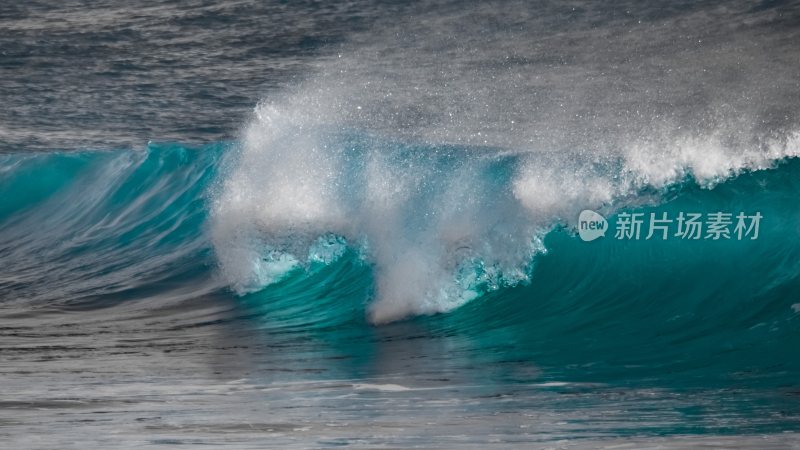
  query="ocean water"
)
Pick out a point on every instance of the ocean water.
point(310, 225)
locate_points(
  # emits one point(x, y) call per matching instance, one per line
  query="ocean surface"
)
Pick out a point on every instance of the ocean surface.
point(247, 225)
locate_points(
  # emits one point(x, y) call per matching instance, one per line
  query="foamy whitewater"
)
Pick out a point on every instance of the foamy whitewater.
point(310, 226)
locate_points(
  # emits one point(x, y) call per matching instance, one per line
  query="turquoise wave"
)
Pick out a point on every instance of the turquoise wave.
point(92, 229)
point(714, 311)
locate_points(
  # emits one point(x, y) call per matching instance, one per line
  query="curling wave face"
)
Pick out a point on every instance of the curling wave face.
point(99, 227)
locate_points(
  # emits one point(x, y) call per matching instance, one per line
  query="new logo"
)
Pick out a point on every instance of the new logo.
point(591, 225)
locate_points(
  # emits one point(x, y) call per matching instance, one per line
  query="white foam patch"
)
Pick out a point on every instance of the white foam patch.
point(707, 158)
point(381, 387)
point(558, 188)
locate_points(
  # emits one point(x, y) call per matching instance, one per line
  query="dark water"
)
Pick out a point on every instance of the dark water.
point(264, 224)
point(106, 75)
